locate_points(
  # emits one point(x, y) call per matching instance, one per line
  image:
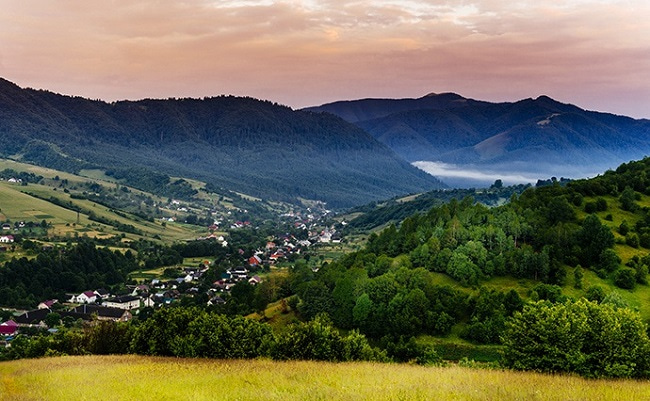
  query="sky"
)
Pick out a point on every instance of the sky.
point(592, 53)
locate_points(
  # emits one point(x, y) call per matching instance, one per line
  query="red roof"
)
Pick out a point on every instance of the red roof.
point(8, 328)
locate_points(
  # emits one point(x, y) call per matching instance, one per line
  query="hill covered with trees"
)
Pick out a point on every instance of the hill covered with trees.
point(464, 269)
point(239, 144)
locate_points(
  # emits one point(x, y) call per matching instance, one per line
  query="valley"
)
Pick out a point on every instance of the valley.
point(358, 257)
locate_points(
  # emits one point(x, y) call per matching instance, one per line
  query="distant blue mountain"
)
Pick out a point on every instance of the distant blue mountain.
point(539, 136)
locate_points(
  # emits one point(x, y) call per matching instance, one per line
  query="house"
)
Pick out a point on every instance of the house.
point(86, 297)
point(254, 280)
point(6, 226)
point(88, 312)
point(32, 318)
point(216, 300)
point(166, 297)
point(102, 293)
point(47, 304)
point(254, 261)
point(125, 302)
point(239, 273)
point(148, 302)
point(8, 328)
point(140, 289)
point(6, 239)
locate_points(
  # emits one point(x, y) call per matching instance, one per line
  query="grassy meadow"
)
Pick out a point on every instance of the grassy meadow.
point(16, 205)
point(139, 378)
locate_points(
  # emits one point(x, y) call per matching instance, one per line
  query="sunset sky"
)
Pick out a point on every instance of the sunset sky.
point(593, 53)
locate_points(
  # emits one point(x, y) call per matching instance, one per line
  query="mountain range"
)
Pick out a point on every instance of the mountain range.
point(232, 143)
point(529, 138)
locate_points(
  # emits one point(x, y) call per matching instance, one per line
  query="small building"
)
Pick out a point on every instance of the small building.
point(86, 297)
point(32, 318)
point(216, 300)
point(6, 239)
point(47, 304)
point(8, 328)
point(125, 302)
point(88, 312)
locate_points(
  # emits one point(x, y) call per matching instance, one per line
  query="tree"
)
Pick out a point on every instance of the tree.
point(315, 298)
point(577, 277)
point(609, 260)
point(52, 319)
point(625, 278)
point(463, 269)
point(595, 293)
point(594, 238)
point(362, 314)
point(581, 337)
point(319, 340)
point(627, 199)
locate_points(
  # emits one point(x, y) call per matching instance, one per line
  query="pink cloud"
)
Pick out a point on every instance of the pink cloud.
point(589, 52)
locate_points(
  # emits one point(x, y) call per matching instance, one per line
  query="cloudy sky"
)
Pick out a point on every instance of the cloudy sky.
point(594, 53)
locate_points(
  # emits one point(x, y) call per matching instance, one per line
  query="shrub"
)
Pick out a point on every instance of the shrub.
point(625, 278)
point(583, 337)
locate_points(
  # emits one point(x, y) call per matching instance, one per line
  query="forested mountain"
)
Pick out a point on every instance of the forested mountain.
point(539, 135)
point(240, 144)
point(466, 265)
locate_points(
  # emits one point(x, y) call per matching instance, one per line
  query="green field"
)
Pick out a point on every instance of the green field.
point(140, 378)
point(16, 205)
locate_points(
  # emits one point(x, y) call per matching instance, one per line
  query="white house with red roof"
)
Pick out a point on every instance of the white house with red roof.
point(86, 297)
point(6, 239)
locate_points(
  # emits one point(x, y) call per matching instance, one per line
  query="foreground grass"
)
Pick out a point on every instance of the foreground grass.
point(138, 378)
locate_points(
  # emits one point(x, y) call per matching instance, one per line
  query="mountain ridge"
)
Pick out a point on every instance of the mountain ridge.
point(540, 135)
point(256, 146)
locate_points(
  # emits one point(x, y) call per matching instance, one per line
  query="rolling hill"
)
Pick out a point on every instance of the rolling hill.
point(532, 137)
point(240, 144)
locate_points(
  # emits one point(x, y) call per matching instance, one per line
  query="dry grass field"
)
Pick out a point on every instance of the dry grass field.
point(145, 378)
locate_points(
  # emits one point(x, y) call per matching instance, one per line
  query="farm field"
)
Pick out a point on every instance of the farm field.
point(137, 378)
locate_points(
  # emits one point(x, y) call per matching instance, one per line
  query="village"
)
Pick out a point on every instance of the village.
point(191, 283)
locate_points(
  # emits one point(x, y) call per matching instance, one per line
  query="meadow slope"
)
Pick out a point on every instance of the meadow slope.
point(138, 378)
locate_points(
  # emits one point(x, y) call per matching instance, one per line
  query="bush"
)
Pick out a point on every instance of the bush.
point(319, 340)
point(411, 351)
point(632, 240)
point(625, 278)
point(580, 337)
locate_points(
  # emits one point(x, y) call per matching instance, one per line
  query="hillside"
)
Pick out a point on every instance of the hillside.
point(455, 274)
point(533, 137)
point(54, 207)
point(66, 378)
point(239, 144)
